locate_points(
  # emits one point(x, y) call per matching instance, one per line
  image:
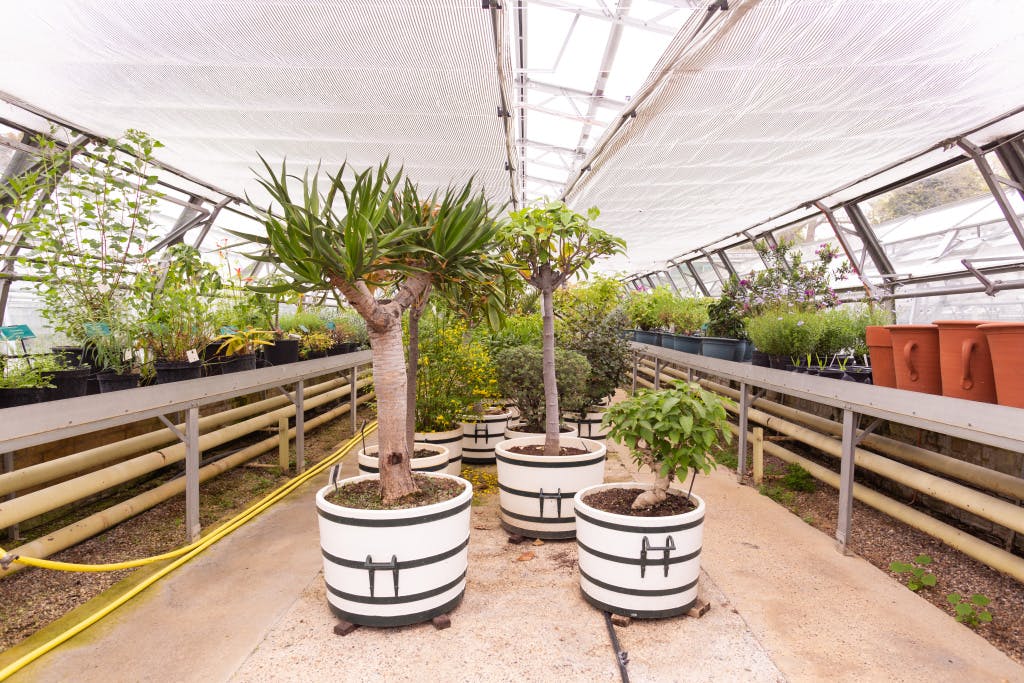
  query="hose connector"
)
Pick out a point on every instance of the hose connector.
point(7, 560)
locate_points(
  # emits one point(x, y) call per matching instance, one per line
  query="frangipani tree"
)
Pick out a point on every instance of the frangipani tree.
point(374, 242)
point(547, 245)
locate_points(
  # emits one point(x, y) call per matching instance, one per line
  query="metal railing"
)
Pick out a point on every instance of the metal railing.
point(32, 425)
point(985, 423)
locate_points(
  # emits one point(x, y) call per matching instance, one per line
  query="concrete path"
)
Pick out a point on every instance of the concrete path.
point(785, 606)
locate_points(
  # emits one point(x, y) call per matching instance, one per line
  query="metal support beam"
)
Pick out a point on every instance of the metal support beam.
point(845, 243)
point(872, 245)
point(741, 441)
point(174, 429)
point(571, 93)
point(846, 479)
point(193, 526)
point(995, 185)
point(611, 48)
point(208, 223)
point(300, 429)
point(696, 278)
point(657, 374)
point(867, 431)
point(593, 13)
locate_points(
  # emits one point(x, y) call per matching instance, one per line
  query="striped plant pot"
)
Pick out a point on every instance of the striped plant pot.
point(452, 440)
point(514, 431)
point(535, 491)
point(643, 567)
point(394, 567)
point(368, 463)
point(588, 425)
point(481, 435)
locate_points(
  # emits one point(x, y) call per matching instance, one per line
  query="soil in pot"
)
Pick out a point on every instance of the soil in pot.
point(538, 449)
point(365, 495)
point(619, 501)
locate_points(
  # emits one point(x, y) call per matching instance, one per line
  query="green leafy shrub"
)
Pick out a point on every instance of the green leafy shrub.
point(518, 330)
point(521, 380)
point(786, 332)
point(919, 577)
point(672, 431)
point(295, 322)
point(453, 374)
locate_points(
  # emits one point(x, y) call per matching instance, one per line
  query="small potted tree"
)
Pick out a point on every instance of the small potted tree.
point(548, 245)
point(369, 239)
point(622, 525)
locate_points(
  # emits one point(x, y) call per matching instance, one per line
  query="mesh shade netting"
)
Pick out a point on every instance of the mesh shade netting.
point(217, 82)
point(779, 102)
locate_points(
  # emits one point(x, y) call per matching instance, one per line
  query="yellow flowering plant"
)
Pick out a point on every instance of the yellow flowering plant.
point(454, 372)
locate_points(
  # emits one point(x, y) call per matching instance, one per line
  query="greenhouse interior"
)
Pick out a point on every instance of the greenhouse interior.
point(358, 340)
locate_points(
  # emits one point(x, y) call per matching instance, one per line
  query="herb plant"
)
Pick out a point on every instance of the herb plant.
point(972, 612)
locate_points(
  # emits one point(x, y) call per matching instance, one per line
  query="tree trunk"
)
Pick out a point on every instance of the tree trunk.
point(415, 313)
point(658, 492)
point(551, 416)
point(389, 382)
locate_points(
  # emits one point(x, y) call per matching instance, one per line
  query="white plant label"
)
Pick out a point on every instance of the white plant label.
point(103, 288)
point(128, 353)
point(192, 355)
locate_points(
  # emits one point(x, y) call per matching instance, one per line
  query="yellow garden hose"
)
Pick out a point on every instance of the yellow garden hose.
point(187, 553)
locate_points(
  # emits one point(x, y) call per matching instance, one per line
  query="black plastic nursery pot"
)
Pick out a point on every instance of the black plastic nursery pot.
point(686, 343)
point(20, 396)
point(112, 381)
point(282, 352)
point(168, 371)
point(238, 363)
point(68, 384)
point(71, 355)
point(646, 337)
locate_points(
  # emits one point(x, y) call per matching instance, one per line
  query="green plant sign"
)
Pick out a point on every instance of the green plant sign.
point(16, 332)
point(97, 329)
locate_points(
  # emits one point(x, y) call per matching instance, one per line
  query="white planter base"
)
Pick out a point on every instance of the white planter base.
point(618, 575)
point(452, 440)
point(536, 491)
point(589, 425)
point(480, 436)
point(394, 567)
point(369, 464)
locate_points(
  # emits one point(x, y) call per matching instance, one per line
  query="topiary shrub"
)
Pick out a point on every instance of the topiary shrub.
point(521, 380)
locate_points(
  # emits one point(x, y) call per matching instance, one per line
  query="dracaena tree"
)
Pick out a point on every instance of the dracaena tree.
point(547, 245)
point(373, 241)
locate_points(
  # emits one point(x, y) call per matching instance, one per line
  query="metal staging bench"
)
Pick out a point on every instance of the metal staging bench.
point(32, 425)
point(985, 423)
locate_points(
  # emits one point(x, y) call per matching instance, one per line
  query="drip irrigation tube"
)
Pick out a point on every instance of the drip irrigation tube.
point(621, 658)
point(186, 553)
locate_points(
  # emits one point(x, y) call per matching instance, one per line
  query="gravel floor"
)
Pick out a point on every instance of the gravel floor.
point(881, 540)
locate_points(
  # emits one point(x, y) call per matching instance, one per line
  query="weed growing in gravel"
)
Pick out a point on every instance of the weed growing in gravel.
point(798, 479)
point(779, 494)
point(919, 578)
point(970, 612)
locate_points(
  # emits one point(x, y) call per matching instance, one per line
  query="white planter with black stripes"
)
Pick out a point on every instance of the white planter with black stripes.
point(452, 440)
point(394, 567)
point(643, 567)
point(514, 430)
point(369, 464)
point(535, 491)
point(480, 436)
point(588, 425)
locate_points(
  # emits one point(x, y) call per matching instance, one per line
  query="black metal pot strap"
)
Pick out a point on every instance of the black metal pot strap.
point(557, 497)
point(372, 567)
point(669, 546)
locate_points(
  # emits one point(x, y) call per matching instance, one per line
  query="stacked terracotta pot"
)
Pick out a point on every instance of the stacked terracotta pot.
point(969, 359)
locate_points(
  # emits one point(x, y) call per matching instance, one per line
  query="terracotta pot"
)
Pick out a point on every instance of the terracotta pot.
point(879, 341)
point(915, 354)
point(965, 361)
point(1006, 344)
